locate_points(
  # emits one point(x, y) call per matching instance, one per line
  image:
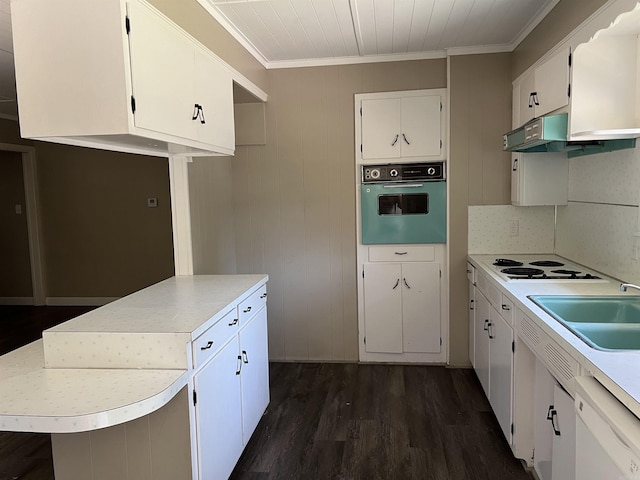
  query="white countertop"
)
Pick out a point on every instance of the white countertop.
point(64, 400)
point(618, 371)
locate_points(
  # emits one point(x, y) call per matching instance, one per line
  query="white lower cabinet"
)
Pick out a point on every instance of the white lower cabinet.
point(563, 458)
point(219, 413)
point(402, 307)
point(231, 393)
point(493, 354)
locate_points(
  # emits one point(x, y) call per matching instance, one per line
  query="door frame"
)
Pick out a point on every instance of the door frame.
point(29, 174)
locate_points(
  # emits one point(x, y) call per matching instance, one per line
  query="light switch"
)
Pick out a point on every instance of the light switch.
point(18, 209)
point(152, 202)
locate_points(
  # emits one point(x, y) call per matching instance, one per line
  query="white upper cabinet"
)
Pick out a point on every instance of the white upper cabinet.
point(605, 85)
point(119, 76)
point(539, 179)
point(542, 90)
point(402, 125)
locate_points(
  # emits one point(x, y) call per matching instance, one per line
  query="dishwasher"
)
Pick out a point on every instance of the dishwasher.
point(607, 435)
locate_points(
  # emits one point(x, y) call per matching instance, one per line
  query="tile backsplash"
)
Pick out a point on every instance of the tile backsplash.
point(490, 229)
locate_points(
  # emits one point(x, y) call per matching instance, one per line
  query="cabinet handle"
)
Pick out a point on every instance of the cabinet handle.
point(239, 367)
point(207, 346)
point(552, 413)
point(405, 139)
point(515, 165)
point(486, 325)
point(245, 357)
point(405, 283)
point(395, 140)
point(247, 310)
point(471, 304)
point(506, 307)
point(490, 329)
point(202, 120)
point(401, 253)
point(235, 322)
point(396, 285)
point(264, 295)
point(533, 99)
point(196, 111)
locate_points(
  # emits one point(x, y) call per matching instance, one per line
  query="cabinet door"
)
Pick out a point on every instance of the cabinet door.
point(421, 307)
point(543, 402)
point(526, 89)
point(383, 307)
point(214, 93)
point(219, 413)
point(481, 340)
point(162, 71)
point(552, 83)
point(381, 128)
point(254, 377)
point(501, 371)
point(420, 134)
point(539, 180)
point(472, 324)
point(563, 463)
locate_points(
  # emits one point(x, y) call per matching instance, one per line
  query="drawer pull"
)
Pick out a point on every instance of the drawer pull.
point(245, 357)
point(264, 295)
point(207, 346)
point(247, 310)
point(239, 367)
point(401, 253)
point(235, 322)
point(552, 413)
point(506, 307)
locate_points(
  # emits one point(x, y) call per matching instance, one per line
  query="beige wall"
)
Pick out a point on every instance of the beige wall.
point(479, 173)
point(565, 17)
point(15, 274)
point(99, 239)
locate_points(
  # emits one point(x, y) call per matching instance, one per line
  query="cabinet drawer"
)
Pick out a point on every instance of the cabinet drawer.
point(506, 309)
point(252, 305)
point(424, 253)
point(471, 273)
point(489, 290)
point(210, 342)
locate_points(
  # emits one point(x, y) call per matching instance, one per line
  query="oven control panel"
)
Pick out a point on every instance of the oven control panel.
point(404, 172)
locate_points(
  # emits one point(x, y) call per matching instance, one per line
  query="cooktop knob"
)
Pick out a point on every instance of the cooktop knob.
point(375, 173)
point(393, 172)
point(431, 171)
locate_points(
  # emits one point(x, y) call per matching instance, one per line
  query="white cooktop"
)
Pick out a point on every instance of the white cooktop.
point(562, 270)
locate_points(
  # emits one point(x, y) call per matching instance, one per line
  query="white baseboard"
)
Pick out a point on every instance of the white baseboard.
point(17, 301)
point(79, 301)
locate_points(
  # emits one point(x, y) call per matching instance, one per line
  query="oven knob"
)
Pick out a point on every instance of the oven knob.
point(375, 173)
point(431, 171)
point(393, 172)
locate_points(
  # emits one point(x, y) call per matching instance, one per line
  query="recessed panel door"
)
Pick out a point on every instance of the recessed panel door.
point(383, 307)
point(421, 307)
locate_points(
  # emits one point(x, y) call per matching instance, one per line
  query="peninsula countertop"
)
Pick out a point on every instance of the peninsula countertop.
point(156, 323)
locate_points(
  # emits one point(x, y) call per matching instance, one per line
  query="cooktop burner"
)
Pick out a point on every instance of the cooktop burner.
point(507, 262)
point(566, 272)
point(546, 263)
point(523, 271)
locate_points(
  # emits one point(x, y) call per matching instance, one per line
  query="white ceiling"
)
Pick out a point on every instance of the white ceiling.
point(289, 33)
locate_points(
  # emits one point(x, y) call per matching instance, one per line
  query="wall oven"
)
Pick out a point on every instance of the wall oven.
point(404, 203)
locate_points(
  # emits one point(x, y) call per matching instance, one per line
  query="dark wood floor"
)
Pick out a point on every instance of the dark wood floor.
point(326, 421)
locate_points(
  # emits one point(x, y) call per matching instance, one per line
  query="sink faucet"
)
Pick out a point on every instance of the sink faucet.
point(624, 286)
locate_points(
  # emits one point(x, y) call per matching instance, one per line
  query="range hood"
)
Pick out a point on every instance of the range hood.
point(549, 134)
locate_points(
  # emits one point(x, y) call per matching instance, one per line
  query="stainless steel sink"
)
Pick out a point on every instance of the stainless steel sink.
point(602, 322)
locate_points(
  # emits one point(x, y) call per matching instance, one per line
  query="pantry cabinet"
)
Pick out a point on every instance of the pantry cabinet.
point(402, 307)
point(132, 80)
point(542, 90)
point(401, 125)
point(539, 179)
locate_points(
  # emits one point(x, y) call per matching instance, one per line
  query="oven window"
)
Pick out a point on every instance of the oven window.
point(403, 204)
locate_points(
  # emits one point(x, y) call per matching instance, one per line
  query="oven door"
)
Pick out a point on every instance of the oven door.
point(404, 213)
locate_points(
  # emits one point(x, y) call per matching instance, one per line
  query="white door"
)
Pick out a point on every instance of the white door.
point(543, 433)
point(481, 337)
point(527, 105)
point(552, 83)
point(501, 370)
point(472, 323)
point(383, 307)
point(381, 128)
point(219, 413)
point(563, 464)
point(254, 377)
point(421, 307)
point(214, 94)
point(162, 70)
point(420, 134)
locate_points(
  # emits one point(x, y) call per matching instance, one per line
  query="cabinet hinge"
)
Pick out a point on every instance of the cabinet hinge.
point(440, 271)
point(133, 104)
point(360, 111)
point(440, 341)
point(513, 347)
point(195, 397)
point(569, 58)
point(440, 106)
point(512, 429)
point(440, 144)
point(360, 148)
point(364, 340)
point(127, 25)
point(362, 273)
point(569, 91)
